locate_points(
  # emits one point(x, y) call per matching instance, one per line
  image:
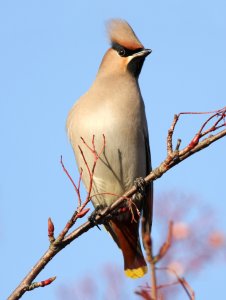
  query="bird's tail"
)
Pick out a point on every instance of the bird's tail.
point(126, 235)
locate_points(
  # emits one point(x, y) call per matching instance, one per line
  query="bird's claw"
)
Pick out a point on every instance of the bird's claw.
point(140, 185)
point(96, 212)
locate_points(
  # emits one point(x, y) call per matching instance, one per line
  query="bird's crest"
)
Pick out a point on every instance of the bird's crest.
point(120, 32)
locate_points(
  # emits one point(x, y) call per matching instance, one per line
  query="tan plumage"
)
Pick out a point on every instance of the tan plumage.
point(120, 32)
point(113, 106)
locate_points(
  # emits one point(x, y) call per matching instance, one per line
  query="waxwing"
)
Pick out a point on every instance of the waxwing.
point(113, 106)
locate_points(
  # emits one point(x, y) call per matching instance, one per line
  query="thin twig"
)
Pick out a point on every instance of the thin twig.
point(180, 280)
point(150, 258)
point(70, 178)
point(165, 247)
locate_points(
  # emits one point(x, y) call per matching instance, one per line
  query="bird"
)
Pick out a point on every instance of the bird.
point(113, 106)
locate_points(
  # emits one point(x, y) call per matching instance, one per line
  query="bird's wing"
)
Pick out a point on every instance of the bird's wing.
point(148, 201)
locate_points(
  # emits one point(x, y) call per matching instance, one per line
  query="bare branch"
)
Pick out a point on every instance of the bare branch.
point(173, 158)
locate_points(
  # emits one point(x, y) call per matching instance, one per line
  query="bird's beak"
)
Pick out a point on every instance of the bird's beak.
point(142, 53)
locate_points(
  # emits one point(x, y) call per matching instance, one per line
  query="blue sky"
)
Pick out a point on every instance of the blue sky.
point(49, 55)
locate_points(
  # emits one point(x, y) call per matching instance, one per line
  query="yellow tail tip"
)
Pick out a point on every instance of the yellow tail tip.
point(136, 273)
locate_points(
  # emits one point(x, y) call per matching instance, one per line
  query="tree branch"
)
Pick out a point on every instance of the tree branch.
point(173, 158)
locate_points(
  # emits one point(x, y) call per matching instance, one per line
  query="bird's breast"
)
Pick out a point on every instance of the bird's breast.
point(123, 158)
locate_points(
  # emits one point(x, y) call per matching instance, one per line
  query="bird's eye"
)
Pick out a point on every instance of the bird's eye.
point(122, 52)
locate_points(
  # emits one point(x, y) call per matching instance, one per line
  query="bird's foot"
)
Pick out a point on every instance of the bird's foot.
point(140, 185)
point(96, 212)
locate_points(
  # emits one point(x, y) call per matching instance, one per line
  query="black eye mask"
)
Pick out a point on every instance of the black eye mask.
point(123, 51)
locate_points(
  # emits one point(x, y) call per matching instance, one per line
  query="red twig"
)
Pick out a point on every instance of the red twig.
point(96, 156)
point(144, 292)
point(51, 231)
point(85, 161)
point(221, 114)
point(166, 285)
point(70, 178)
point(165, 247)
point(189, 291)
point(153, 260)
point(81, 211)
point(203, 112)
point(42, 283)
point(79, 183)
point(180, 280)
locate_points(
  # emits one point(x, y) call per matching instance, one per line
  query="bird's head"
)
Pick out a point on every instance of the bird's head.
point(126, 54)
